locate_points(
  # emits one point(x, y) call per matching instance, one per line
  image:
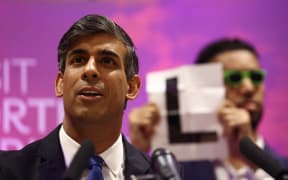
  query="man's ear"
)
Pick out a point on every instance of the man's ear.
point(59, 85)
point(134, 85)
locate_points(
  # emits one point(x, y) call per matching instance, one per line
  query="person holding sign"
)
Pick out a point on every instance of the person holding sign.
point(239, 114)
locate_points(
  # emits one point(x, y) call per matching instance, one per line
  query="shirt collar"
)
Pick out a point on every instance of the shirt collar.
point(113, 156)
point(68, 145)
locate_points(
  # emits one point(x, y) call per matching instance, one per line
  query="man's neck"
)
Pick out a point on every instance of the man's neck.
point(235, 157)
point(102, 137)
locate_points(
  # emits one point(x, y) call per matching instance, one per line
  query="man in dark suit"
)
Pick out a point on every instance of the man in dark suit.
point(98, 74)
point(239, 115)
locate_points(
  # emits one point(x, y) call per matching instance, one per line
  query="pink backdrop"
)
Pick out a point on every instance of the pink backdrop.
point(166, 33)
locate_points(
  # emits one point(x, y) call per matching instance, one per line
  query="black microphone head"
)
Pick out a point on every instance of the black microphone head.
point(80, 161)
point(260, 158)
point(164, 163)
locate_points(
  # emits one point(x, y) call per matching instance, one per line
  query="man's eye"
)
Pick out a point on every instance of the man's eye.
point(77, 60)
point(108, 60)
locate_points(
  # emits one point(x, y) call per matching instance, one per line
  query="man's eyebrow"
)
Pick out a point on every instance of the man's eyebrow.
point(77, 51)
point(100, 52)
point(109, 53)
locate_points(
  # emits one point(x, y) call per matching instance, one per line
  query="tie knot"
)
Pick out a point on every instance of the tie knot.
point(96, 161)
point(95, 173)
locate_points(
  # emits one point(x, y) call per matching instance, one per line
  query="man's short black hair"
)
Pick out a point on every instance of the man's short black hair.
point(210, 51)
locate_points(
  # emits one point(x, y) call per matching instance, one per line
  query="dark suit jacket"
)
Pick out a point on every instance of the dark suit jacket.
point(205, 170)
point(44, 160)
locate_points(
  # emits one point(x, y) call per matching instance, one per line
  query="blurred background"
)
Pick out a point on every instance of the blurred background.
point(167, 33)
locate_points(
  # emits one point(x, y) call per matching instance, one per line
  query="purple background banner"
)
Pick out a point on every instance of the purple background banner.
point(166, 33)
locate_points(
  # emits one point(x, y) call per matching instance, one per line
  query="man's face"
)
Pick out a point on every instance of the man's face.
point(94, 84)
point(245, 95)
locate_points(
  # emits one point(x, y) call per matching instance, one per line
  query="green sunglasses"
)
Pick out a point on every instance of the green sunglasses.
point(234, 77)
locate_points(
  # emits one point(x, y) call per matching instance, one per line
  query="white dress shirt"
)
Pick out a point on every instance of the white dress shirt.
point(113, 166)
point(225, 171)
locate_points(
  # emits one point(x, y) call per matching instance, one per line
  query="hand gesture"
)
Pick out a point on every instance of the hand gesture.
point(143, 121)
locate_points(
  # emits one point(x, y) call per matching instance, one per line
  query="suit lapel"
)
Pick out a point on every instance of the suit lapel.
point(136, 163)
point(52, 164)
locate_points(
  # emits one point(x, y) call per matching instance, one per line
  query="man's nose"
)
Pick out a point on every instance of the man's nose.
point(90, 72)
point(247, 87)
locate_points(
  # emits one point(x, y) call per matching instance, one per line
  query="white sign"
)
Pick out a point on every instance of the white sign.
point(189, 97)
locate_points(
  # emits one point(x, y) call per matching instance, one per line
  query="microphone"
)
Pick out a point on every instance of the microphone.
point(80, 161)
point(262, 159)
point(164, 163)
